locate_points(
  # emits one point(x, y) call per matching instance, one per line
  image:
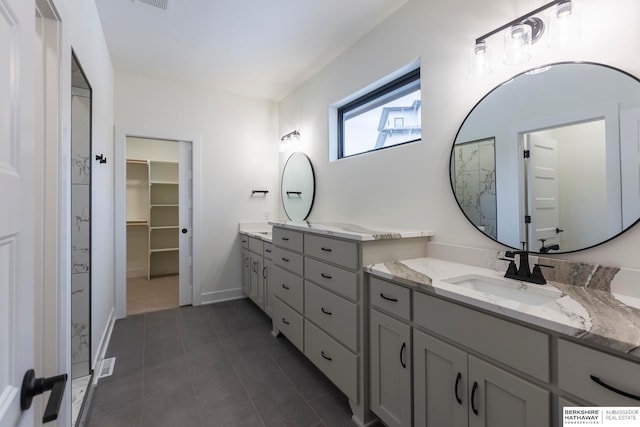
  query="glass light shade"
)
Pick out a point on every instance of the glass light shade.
point(517, 44)
point(564, 25)
point(480, 60)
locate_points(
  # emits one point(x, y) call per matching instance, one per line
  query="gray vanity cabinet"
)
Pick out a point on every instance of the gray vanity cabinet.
point(390, 369)
point(267, 269)
point(246, 272)
point(256, 288)
point(453, 388)
point(440, 383)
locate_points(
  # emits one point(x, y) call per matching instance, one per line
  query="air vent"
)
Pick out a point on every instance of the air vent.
point(160, 4)
point(106, 367)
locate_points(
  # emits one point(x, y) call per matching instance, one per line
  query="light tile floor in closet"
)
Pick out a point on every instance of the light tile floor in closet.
point(159, 293)
point(214, 365)
point(79, 388)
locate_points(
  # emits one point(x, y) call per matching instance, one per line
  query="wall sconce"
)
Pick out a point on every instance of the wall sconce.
point(287, 141)
point(522, 32)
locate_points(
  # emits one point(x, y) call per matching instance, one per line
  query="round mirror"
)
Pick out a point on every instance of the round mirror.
point(298, 187)
point(550, 159)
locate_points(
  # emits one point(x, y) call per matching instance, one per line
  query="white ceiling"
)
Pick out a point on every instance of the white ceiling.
point(258, 48)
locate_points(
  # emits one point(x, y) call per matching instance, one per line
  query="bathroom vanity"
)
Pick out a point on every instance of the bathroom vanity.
point(446, 351)
point(320, 301)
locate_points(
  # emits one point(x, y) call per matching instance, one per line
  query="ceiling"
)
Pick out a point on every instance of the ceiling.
point(258, 48)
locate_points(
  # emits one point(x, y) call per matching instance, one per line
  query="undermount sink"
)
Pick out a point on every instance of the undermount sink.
point(507, 289)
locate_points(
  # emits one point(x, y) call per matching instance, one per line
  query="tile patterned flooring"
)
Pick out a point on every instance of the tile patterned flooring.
point(79, 388)
point(215, 365)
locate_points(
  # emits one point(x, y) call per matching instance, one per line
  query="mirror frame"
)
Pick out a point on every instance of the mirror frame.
point(452, 185)
point(313, 176)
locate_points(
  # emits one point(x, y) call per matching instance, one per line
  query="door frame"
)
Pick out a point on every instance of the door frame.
point(120, 217)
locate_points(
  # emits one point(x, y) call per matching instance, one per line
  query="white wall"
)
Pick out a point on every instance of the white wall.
point(408, 186)
point(152, 149)
point(82, 32)
point(239, 153)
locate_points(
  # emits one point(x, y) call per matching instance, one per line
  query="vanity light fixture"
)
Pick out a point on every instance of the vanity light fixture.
point(287, 140)
point(521, 33)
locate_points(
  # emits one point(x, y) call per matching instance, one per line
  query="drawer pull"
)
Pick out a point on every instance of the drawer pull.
point(613, 389)
point(264, 272)
point(404, 345)
point(455, 388)
point(383, 296)
point(286, 239)
point(325, 356)
point(285, 287)
point(285, 321)
point(326, 249)
point(285, 259)
point(268, 250)
point(473, 397)
point(326, 276)
point(244, 241)
point(328, 313)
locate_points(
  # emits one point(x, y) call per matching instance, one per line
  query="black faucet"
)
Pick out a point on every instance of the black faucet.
point(522, 272)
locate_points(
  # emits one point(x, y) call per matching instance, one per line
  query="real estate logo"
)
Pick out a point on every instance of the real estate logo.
point(604, 416)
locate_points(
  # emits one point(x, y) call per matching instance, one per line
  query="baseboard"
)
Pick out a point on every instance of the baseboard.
point(219, 296)
point(136, 272)
point(104, 341)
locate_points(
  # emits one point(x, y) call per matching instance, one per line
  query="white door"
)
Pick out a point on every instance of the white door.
point(542, 183)
point(630, 165)
point(185, 215)
point(17, 217)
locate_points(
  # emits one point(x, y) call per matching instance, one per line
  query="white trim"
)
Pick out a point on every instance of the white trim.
point(220, 296)
point(104, 341)
point(120, 215)
point(136, 272)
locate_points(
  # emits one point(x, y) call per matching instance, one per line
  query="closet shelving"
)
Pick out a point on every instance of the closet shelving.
point(161, 196)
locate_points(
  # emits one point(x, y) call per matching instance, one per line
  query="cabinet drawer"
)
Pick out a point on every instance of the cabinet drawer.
point(332, 250)
point(576, 365)
point(288, 260)
point(255, 245)
point(393, 298)
point(290, 323)
point(335, 361)
point(268, 250)
point(288, 287)
point(288, 239)
point(341, 281)
point(335, 315)
point(244, 241)
point(514, 345)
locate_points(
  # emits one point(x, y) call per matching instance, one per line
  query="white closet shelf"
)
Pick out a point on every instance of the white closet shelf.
point(164, 205)
point(164, 227)
point(137, 222)
point(163, 182)
point(164, 250)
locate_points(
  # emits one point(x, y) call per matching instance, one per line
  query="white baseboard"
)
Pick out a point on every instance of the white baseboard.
point(104, 341)
point(136, 272)
point(219, 296)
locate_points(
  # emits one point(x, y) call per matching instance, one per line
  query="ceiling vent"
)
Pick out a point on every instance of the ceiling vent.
point(160, 4)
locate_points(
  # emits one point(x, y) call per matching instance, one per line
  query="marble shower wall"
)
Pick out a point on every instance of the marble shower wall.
point(475, 183)
point(80, 233)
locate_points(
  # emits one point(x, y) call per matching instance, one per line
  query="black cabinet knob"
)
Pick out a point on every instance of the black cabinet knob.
point(184, 231)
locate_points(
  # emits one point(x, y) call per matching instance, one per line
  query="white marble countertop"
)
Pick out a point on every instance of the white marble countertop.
point(350, 231)
point(259, 230)
point(594, 316)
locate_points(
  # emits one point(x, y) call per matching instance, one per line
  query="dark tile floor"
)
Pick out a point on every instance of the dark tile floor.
point(215, 365)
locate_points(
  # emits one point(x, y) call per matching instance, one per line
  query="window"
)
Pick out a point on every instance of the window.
point(385, 117)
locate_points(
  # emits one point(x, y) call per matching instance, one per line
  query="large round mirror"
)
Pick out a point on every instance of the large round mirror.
point(551, 158)
point(298, 187)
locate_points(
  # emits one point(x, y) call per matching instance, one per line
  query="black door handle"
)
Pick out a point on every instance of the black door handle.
point(473, 397)
point(32, 386)
point(404, 345)
point(455, 388)
point(184, 231)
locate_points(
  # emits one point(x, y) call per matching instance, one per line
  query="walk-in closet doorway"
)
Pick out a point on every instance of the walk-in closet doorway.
point(158, 224)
